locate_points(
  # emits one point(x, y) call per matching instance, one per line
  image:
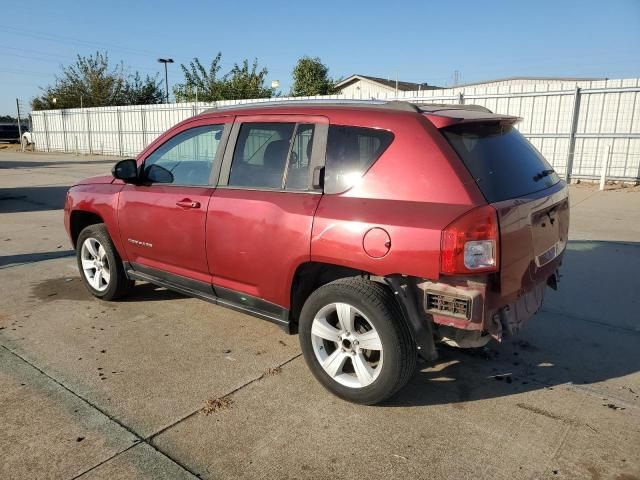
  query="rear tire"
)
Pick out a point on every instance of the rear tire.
point(100, 265)
point(355, 340)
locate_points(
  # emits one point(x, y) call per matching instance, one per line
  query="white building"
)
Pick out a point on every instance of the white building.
point(366, 87)
point(583, 82)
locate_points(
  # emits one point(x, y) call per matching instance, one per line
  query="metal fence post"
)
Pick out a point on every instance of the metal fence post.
point(572, 134)
point(143, 122)
point(64, 130)
point(88, 131)
point(605, 167)
point(19, 124)
point(46, 129)
point(119, 132)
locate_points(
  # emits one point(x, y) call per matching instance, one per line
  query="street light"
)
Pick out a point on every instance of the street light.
point(166, 82)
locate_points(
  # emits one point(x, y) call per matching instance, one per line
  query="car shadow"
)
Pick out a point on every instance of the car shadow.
point(24, 258)
point(72, 288)
point(586, 333)
point(32, 199)
point(8, 164)
point(145, 292)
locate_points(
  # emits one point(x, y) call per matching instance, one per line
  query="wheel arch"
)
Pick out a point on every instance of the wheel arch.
point(309, 276)
point(79, 220)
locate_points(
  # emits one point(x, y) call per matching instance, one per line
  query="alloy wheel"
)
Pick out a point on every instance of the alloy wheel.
point(347, 345)
point(95, 264)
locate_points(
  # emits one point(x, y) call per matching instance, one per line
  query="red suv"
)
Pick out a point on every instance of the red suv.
point(372, 229)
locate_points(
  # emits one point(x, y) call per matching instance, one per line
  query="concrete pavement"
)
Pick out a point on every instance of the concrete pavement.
point(90, 389)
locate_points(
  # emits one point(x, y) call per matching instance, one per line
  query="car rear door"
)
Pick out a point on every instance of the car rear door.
point(162, 220)
point(260, 217)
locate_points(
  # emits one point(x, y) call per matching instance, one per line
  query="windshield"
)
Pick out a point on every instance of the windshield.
point(502, 162)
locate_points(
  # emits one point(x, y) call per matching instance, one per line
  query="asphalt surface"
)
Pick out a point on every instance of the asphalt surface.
point(90, 389)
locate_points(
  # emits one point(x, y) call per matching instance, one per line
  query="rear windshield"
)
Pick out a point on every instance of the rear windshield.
point(503, 163)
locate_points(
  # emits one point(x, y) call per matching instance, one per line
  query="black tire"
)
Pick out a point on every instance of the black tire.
point(376, 302)
point(119, 285)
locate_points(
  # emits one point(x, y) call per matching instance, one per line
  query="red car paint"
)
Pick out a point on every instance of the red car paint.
point(253, 241)
point(179, 246)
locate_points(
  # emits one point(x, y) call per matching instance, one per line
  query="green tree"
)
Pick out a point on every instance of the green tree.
point(199, 80)
point(246, 82)
point(139, 91)
point(92, 82)
point(243, 81)
point(311, 77)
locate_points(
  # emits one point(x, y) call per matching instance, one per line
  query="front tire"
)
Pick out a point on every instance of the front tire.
point(356, 341)
point(100, 265)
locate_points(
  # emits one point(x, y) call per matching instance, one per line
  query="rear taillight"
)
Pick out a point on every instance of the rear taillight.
point(470, 243)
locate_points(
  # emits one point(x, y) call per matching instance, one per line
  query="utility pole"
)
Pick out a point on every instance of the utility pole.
point(166, 81)
point(19, 121)
point(456, 78)
point(396, 85)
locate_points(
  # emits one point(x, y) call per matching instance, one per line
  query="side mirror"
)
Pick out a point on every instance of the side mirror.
point(126, 170)
point(157, 174)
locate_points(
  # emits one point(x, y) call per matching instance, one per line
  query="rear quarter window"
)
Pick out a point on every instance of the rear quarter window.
point(351, 151)
point(502, 162)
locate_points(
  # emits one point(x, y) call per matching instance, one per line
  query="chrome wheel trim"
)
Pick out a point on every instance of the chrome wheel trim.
point(347, 345)
point(95, 264)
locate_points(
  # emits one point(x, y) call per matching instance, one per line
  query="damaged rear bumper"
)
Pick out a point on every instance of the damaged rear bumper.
point(472, 306)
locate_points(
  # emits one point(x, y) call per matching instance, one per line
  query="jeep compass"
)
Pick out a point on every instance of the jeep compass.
point(375, 230)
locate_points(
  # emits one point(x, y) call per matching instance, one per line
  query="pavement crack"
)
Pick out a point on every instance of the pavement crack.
point(602, 395)
point(83, 473)
point(548, 414)
point(574, 205)
point(150, 438)
point(106, 414)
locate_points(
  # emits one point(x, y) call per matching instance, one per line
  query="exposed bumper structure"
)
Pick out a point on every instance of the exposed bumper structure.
point(471, 306)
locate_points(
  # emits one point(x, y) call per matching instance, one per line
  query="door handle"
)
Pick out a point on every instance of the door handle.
point(186, 203)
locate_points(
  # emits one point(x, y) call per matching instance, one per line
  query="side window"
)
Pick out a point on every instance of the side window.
point(185, 159)
point(351, 151)
point(260, 156)
point(300, 158)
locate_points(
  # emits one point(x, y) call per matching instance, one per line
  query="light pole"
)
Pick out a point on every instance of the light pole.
point(166, 82)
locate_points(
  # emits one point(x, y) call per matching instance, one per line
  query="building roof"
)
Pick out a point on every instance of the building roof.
point(541, 79)
point(388, 83)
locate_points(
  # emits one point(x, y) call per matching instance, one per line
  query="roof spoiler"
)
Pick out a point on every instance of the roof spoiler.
point(448, 118)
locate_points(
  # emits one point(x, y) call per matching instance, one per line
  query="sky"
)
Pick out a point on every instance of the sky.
point(417, 41)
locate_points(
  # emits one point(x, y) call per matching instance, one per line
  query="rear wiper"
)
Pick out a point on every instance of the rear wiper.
point(542, 174)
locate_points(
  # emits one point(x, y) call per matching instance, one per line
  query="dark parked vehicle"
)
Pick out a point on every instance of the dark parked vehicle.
point(9, 132)
point(374, 230)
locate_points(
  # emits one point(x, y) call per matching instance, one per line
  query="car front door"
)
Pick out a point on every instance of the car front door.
point(261, 215)
point(162, 219)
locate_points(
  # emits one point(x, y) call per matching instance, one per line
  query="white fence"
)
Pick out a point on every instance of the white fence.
point(577, 129)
